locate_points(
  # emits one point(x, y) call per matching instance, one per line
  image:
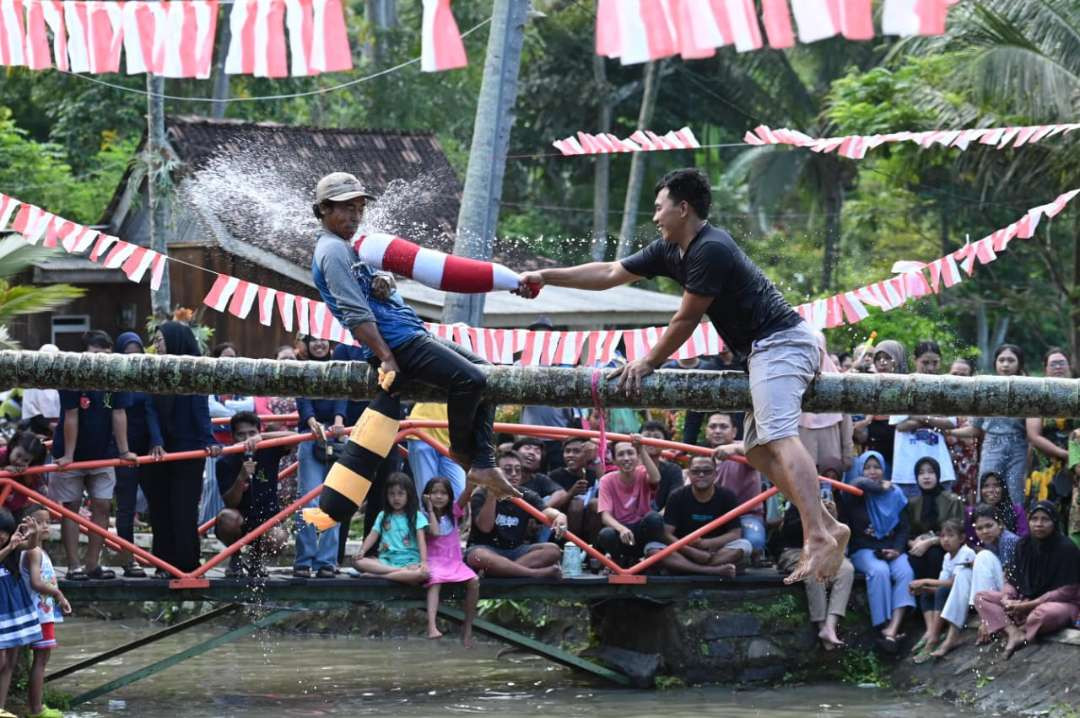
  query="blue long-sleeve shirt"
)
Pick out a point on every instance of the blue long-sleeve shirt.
point(344, 282)
point(324, 411)
point(348, 408)
point(187, 425)
point(143, 428)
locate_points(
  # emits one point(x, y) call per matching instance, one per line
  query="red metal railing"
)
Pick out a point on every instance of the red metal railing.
point(408, 429)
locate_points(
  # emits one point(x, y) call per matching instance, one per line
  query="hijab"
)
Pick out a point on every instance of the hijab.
point(179, 340)
point(895, 350)
point(828, 366)
point(929, 515)
point(884, 509)
point(1005, 510)
point(128, 338)
point(1053, 562)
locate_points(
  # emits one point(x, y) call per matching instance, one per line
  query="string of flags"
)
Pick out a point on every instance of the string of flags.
point(241, 298)
point(644, 30)
point(174, 39)
point(641, 141)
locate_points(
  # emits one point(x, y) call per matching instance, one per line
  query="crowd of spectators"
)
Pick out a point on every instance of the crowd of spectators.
point(956, 513)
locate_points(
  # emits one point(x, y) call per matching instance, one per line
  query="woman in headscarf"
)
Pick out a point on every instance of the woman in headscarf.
point(317, 552)
point(1046, 593)
point(1049, 437)
point(143, 432)
point(925, 514)
point(994, 492)
point(173, 488)
point(876, 433)
point(1005, 444)
point(878, 545)
point(919, 436)
point(827, 437)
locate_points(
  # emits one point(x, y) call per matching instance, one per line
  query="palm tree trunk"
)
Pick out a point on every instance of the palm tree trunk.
point(834, 200)
point(637, 163)
point(602, 175)
point(937, 395)
point(1074, 297)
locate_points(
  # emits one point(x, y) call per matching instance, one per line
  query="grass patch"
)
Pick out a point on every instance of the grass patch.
point(863, 667)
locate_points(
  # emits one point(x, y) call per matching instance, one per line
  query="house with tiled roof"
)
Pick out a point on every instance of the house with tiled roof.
point(240, 204)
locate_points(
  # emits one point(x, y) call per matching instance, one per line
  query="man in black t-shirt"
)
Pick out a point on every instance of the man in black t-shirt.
point(498, 542)
point(248, 484)
point(531, 453)
point(671, 475)
point(579, 481)
point(691, 507)
point(753, 319)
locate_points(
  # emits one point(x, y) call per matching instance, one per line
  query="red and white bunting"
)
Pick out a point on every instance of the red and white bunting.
point(266, 305)
point(644, 30)
point(157, 271)
point(170, 39)
point(242, 299)
point(12, 33)
point(647, 141)
point(318, 40)
point(285, 303)
point(441, 46)
point(8, 205)
point(303, 314)
point(221, 292)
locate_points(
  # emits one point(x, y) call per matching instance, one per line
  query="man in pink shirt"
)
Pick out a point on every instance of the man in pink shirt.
point(625, 503)
point(738, 478)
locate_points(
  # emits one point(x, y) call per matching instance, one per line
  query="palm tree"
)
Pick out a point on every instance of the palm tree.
point(15, 256)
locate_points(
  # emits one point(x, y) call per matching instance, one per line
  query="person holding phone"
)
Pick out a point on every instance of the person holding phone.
point(625, 503)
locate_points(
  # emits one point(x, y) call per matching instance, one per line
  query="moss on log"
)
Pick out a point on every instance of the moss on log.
point(851, 393)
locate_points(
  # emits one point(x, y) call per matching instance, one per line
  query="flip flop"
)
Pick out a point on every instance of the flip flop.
point(134, 570)
point(101, 574)
point(77, 574)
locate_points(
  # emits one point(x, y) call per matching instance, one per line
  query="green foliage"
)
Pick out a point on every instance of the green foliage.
point(862, 667)
point(922, 320)
point(669, 683)
point(784, 610)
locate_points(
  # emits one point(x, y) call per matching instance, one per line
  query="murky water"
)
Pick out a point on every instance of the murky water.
point(275, 675)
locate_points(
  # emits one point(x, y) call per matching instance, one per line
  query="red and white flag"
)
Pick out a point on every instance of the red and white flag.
point(441, 46)
point(8, 205)
point(266, 305)
point(696, 32)
point(303, 315)
point(12, 33)
point(777, 19)
point(157, 271)
point(95, 31)
point(174, 39)
point(285, 302)
point(914, 17)
point(738, 23)
point(257, 44)
point(242, 299)
point(816, 19)
point(221, 292)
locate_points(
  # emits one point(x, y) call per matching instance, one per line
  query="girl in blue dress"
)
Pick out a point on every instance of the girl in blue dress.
point(18, 615)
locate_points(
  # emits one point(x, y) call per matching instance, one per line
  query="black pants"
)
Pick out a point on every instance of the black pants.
point(649, 528)
point(127, 493)
point(173, 490)
point(450, 367)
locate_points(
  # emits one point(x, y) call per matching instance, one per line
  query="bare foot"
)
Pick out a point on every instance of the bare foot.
point(984, 636)
point(466, 639)
point(434, 634)
point(947, 645)
point(829, 639)
point(822, 555)
point(1015, 643)
point(552, 571)
point(724, 570)
point(494, 481)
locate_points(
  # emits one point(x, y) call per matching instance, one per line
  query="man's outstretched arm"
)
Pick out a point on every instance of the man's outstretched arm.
point(594, 275)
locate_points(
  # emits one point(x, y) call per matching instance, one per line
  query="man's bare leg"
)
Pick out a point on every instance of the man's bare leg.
point(789, 466)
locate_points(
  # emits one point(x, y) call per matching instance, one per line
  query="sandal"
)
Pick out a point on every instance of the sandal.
point(101, 574)
point(326, 572)
point(301, 572)
point(77, 574)
point(923, 657)
point(134, 570)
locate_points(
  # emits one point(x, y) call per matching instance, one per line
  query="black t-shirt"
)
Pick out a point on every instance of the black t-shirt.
point(671, 479)
point(95, 439)
point(565, 479)
point(511, 522)
point(687, 514)
point(260, 501)
point(542, 484)
point(747, 306)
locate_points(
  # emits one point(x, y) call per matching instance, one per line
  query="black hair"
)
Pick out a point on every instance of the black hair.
point(842, 356)
point(927, 346)
point(36, 424)
point(1005, 511)
point(219, 349)
point(445, 483)
point(30, 443)
point(1016, 351)
point(689, 185)
point(528, 441)
point(985, 511)
point(970, 363)
point(711, 414)
point(1056, 350)
point(8, 526)
point(245, 417)
point(953, 526)
point(30, 510)
point(97, 339)
point(412, 501)
point(653, 425)
point(316, 209)
point(710, 457)
point(574, 440)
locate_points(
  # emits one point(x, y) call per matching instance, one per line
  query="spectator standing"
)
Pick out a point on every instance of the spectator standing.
point(826, 600)
point(994, 493)
point(879, 535)
point(578, 479)
point(316, 551)
point(689, 508)
point(42, 402)
point(143, 432)
point(1046, 594)
point(173, 488)
point(425, 462)
point(498, 542)
point(671, 474)
point(1049, 439)
point(877, 433)
point(280, 405)
point(249, 492)
point(922, 436)
point(964, 451)
point(94, 427)
point(737, 477)
point(1004, 439)
point(1073, 521)
point(694, 419)
point(827, 437)
point(625, 503)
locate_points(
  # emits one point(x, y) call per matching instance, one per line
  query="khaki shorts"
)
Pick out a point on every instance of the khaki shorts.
point(781, 366)
point(67, 487)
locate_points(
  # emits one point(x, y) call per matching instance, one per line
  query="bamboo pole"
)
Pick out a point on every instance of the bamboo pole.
point(939, 395)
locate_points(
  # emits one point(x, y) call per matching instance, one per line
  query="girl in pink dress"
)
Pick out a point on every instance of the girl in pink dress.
point(444, 553)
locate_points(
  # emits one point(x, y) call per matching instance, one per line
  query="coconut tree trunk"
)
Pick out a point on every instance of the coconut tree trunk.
point(936, 395)
point(1074, 298)
point(638, 163)
point(834, 200)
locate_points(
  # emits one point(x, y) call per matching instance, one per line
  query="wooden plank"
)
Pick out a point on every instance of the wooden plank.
point(140, 642)
point(196, 650)
point(526, 643)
